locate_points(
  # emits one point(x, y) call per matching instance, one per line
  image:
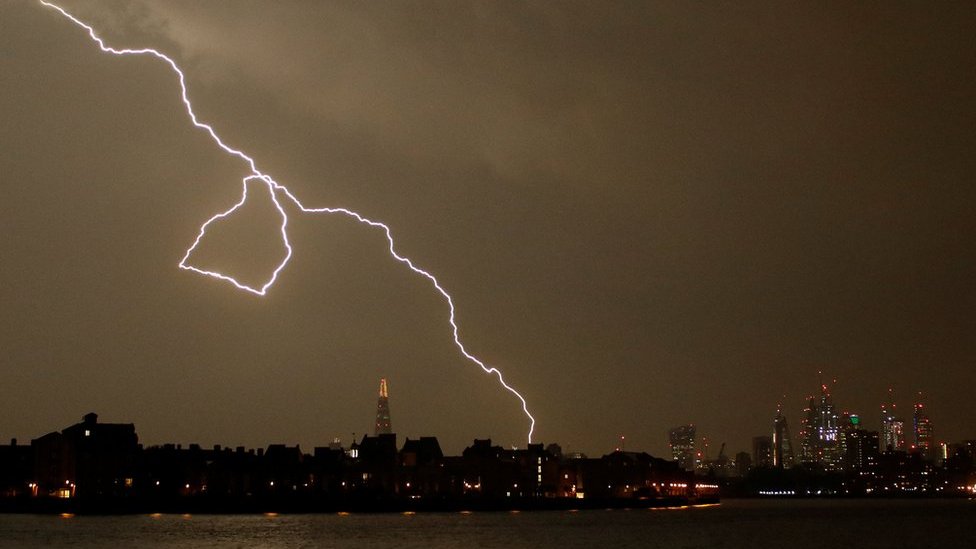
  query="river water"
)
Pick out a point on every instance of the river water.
point(794, 524)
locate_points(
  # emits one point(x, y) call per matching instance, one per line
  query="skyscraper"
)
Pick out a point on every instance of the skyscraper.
point(762, 451)
point(849, 423)
point(782, 441)
point(862, 449)
point(383, 425)
point(892, 427)
point(682, 441)
point(922, 428)
point(819, 437)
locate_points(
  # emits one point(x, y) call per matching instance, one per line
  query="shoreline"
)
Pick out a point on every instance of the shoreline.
point(363, 506)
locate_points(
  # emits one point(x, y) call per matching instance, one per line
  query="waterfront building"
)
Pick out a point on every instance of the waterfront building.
point(16, 465)
point(682, 440)
point(88, 458)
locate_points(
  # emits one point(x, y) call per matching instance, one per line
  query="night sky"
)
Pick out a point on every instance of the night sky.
point(647, 214)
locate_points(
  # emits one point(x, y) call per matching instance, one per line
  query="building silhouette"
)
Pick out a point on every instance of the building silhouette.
point(742, 462)
point(682, 440)
point(783, 457)
point(862, 450)
point(16, 464)
point(762, 451)
point(94, 467)
point(91, 459)
point(383, 424)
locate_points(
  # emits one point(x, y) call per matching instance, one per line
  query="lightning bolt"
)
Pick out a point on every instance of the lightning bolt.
point(279, 193)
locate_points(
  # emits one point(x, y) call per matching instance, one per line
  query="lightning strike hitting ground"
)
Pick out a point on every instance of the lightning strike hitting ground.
point(277, 192)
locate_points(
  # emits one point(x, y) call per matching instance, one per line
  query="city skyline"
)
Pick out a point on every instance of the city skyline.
point(102, 465)
point(649, 216)
point(820, 440)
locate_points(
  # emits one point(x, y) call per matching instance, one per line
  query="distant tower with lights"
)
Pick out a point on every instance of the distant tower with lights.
point(682, 439)
point(820, 440)
point(383, 425)
point(782, 442)
point(892, 427)
point(922, 428)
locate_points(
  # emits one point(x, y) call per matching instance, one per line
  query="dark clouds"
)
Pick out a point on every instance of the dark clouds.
point(648, 215)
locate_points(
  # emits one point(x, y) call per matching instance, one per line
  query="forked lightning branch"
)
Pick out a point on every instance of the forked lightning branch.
point(281, 195)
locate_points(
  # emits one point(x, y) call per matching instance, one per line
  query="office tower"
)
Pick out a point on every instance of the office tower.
point(782, 442)
point(762, 451)
point(892, 427)
point(848, 424)
point(820, 436)
point(922, 427)
point(682, 440)
point(862, 449)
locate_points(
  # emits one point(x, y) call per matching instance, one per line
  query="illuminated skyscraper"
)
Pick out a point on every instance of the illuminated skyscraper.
point(682, 441)
point(922, 428)
point(820, 436)
point(383, 425)
point(892, 427)
point(782, 441)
